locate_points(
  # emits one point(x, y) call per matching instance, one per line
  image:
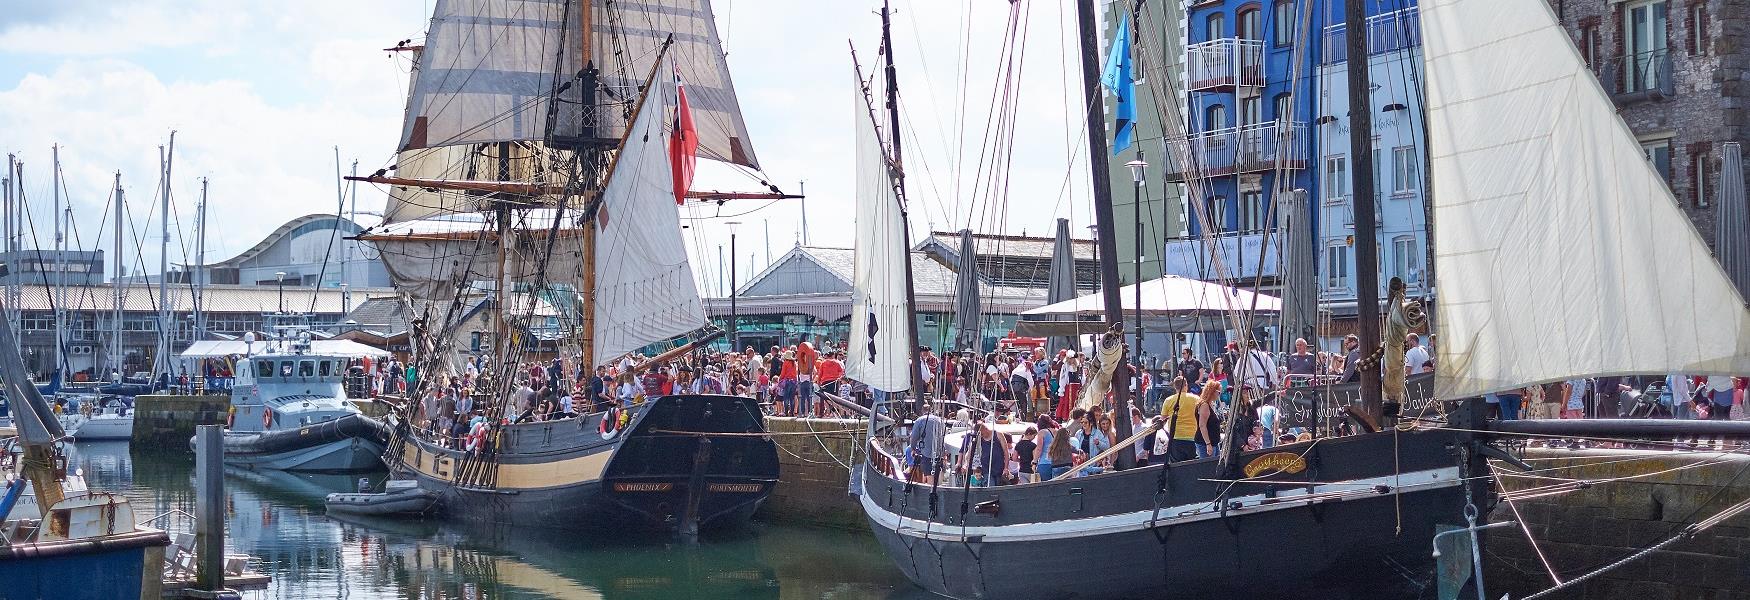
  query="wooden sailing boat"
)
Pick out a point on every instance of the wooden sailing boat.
point(530, 176)
point(1355, 516)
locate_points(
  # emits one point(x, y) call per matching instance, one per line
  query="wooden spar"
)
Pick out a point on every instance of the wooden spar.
point(417, 48)
point(1361, 203)
point(715, 195)
point(544, 189)
point(586, 287)
point(677, 352)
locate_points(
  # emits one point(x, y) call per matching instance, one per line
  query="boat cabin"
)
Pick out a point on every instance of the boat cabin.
point(284, 390)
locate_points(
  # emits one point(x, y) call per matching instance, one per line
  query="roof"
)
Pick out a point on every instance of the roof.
point(929, 277)
point(987, 244)
point(386, 315)
point(287, 229)
point(215, 298)
point(219, 348)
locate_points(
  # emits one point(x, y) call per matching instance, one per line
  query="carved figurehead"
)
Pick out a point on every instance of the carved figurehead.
point(1402, 315)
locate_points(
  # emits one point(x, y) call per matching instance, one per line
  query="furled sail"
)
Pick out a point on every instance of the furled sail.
point(879, 353)
point(1560, 250)
point(525, 162)
point(488, 72)
point(436, 261)
point(644, 284)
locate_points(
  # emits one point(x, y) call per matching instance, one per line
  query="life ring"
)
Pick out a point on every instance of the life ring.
point(610, 422)
point(476, 436)
point(266, 418)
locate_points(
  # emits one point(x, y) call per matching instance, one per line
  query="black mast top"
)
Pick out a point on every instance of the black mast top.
point(1103, 219)
point(911, 302)
point(1361, 199)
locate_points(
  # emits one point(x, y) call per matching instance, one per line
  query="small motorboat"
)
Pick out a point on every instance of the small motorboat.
point(290, 412)
point(401, 497)
point(115, 421)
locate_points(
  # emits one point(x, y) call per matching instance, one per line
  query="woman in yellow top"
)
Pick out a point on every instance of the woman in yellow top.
point(1180, 410)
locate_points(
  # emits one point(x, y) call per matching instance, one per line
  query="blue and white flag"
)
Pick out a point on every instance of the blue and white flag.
point(1116, 78)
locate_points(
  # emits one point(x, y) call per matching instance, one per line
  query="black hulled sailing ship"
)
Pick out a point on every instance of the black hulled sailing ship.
point(545, 148)
point(1356, 515)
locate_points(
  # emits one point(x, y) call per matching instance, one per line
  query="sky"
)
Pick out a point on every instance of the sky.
point(260, 95)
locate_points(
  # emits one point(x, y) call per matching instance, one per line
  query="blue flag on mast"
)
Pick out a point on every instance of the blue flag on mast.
point(1116, 78)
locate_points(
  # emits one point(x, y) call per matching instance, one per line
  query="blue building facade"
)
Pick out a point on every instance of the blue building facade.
point(1399, 159)
point(1249, 67)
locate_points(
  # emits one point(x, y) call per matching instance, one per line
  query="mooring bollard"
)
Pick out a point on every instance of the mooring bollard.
point(209, 508)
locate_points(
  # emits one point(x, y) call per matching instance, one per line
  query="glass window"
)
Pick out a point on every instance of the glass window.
point(1284, 108)
point(264, 368)
point(1216, 27)
point(1337, 267)
point(1250, 25)
point(1284, 23)
point(1698, 28)
point(306, 368)
point(1699, 173)
point(1644, 44)
point(327, 368)
point(1404, 179)
point(1216, 212)
point(1336, 177)
point(1215, 117)
point(286, 367)
point(1253, 212)
point(1251, 110)
point(1406, 260)
point(1659, 153)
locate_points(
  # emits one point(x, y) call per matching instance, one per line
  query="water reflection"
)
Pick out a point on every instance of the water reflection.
point(278, 519)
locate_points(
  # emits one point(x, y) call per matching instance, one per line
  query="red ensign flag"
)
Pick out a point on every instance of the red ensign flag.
point(684, 145)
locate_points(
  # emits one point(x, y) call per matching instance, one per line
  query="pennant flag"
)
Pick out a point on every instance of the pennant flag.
point(1117, 79)
point(683, 147)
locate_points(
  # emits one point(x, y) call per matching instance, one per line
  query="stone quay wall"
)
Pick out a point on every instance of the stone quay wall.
point(1653, 498)
point(814, 480)
point(166, 423)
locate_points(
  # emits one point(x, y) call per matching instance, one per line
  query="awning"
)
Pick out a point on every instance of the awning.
point(1170, 298)
point(225, 348)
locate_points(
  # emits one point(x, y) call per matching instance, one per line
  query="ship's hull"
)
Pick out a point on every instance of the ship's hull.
point(349, 444)
point(118, 566)
point(105, 427)
point(681, 463)
point(1351, 527)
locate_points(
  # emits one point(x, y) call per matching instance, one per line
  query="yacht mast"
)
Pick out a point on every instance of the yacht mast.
point(1103, 218)
point(161, 364)
point(115, 283)
point(911, 302)
point(200, 264)
point(60, 291)
point(1361, 202)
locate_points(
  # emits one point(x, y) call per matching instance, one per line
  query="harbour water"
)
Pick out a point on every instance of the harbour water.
point(278, 519)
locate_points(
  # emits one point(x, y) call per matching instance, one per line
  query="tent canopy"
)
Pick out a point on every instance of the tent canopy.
point(1168, 297)
point(224, 348)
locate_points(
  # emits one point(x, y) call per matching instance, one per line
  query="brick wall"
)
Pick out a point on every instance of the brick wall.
point(1583, 530)
point(1709, 63)
point(814, 480)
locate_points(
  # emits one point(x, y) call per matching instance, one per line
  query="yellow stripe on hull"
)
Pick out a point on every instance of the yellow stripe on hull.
point(513, 476)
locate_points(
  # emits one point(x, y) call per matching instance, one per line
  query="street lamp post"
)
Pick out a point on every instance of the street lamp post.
point(734, 318)
point(281, 278)
point(1136, 178)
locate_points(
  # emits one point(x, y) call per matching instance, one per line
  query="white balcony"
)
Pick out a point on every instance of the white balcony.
point(1224, 63)
point(1386, 32)
point(1246, 149)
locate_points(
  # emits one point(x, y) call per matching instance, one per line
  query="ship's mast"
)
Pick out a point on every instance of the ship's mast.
point(115, 283)
point(200, 264)
point(1361, 202)
point(60, 272)
point(586, 287)
point(911, 302)
point(1103, 218)
point(165, 328)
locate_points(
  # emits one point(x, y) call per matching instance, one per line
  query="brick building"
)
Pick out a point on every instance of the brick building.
point(1676, 71)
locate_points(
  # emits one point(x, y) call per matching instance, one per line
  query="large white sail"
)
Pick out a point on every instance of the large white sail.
point(1560, 250)
point(879, 354)
point(488, 72)
point(644, 284)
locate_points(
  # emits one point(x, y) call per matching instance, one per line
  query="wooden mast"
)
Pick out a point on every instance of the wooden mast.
point(1361, 202)
point(1103, 218)
point(911, 301)
point(586, 287)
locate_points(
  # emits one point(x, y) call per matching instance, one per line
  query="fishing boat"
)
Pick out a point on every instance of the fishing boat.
point(81, 532)
point(1351, 515)
point(289, 412)
point(546, 193)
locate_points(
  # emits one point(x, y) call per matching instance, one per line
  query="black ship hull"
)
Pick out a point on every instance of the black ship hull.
point(681, 464)
point(1344, 524)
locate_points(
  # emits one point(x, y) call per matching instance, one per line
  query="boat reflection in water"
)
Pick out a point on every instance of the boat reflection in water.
point(278, 518)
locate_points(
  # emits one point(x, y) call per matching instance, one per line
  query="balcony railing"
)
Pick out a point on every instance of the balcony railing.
point(1638, 77)
point(1246, 149)
point(1224, 63)
point(1386, 32)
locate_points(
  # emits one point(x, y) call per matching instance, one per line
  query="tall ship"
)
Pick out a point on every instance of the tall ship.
point(1337, 515)
point(545, 149)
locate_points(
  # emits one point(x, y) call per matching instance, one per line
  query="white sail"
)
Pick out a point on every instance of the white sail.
point(879, 354)
point(644, 284)
point(487, 72)
point(526, 162)
point(435, 261)
point(1560, 250)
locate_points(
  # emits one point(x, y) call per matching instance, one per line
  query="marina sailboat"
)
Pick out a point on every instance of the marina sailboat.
point(545, 148)
point(1356, 515)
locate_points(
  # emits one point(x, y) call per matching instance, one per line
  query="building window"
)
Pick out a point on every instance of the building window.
point(1253, 212)
point(1698, 28)
point(1216, 212)
point(1699, 173)
point(1406, 260)
point(1588, 43)
point(1249, 25)
point(1659, 154)
point(1285, 108)
point(1284, 22)
point(1403, 174)
point(1216, 26)
point(1215, 117)
point(1644, 44)
point(1336, 177)
point(1251, 110)
point(1337, 267)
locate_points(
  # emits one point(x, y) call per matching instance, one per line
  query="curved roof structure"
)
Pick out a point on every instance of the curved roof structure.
point(291, 229)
